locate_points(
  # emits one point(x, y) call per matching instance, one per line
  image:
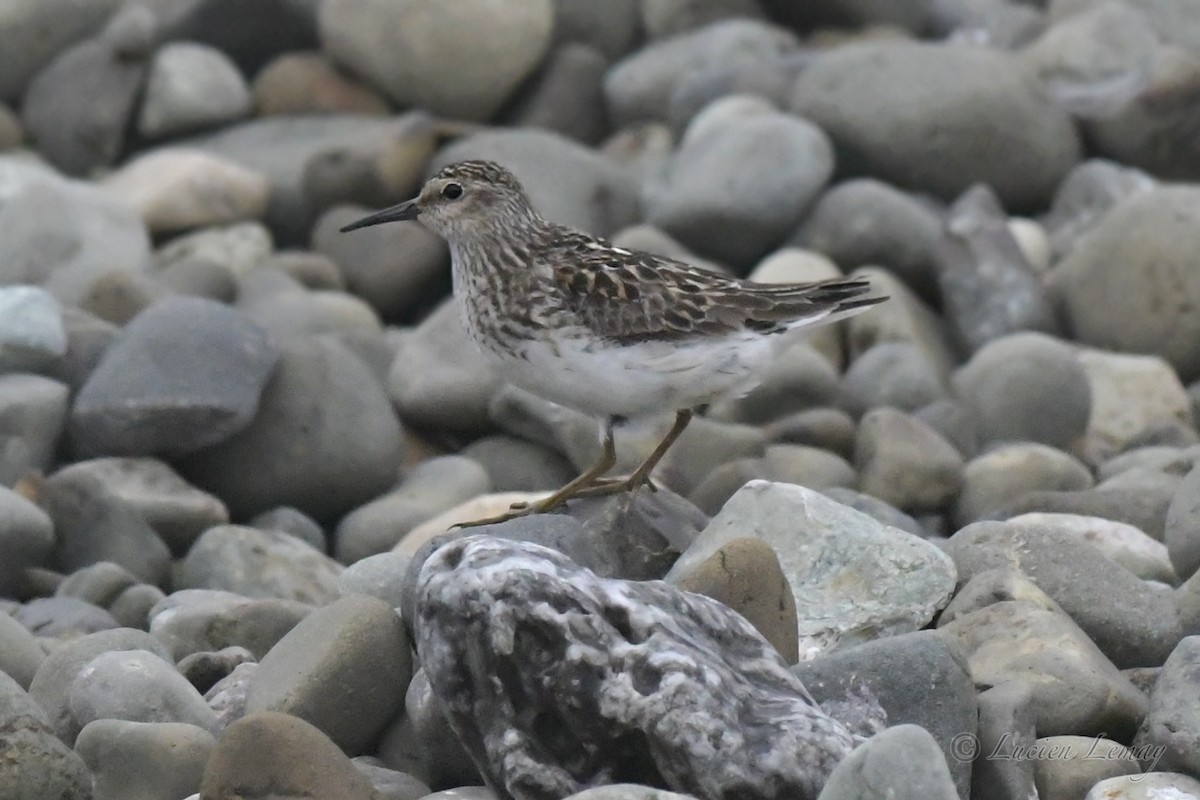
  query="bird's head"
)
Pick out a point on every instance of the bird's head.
point(459, 199)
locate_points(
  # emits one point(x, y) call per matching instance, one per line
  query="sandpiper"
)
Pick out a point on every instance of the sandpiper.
point(611, 332)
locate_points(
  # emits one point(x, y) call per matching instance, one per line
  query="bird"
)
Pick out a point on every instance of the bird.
point(612, 332)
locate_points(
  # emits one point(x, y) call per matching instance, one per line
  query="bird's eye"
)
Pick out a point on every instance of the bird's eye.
point(452, 191)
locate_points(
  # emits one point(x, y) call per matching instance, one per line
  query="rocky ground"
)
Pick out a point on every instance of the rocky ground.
point(964, 526)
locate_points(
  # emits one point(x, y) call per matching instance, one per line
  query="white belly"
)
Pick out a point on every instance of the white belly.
point(640, 379)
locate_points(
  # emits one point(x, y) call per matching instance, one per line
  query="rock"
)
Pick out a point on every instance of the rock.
point(1075, 688)
point(205, 670)
point(20, 653)
point(344, 669)
point(567, 97)
point(905, 754)
point(36, 763)
point(865, 222)
point(903, 318)
point(1007, 732)
point(421, 741)
point(904, 462)
point(1182, 530)
point(381, 576)
point(108, 586)
point(191, 621)
point(1145, 508)
point(876, 509)
point(51, 686)
point(516, 465)
point(1087, 193)
point(26, 539)
point(1132, 396)
point(745, 576)
point(798, 378)
point(624, 791)
point(440, 378)
point(88, 87)
point(1129, 621)
point(191, 86)
point(1150, 235)
point(436, 485)
point(566, 182)
point(241, 248)
point(1169, 738)
point(294, 523)
point(1117, 541)
point(137, 686)
point(844, 567)
point(285, 753)
point(34, 32)
point(392, 784)
point(258, 563)
point(614, 29)
point(805, 466)
point(663, 19)
point(988, 287)
point(893, 374)
point(144, 759)
point(325, 439)
point(1026, 387)
point(395, 268)
point(640, 86)
point(183, 375)
point(294, 84)
point(826, 428)
point(31, 328)
point(1006, 472)
point(64, 617)
point(458, 61)
point(176, 189)
point(460, 592)
point(739, 184)
point(943, 702)
point(956, 134)
point(1067, 766)
point(1144, 786)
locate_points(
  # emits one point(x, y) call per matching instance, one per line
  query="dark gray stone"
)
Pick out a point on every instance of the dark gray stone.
point(203, 620)
point(185, 374)
point(480, 601)
point(205, 670)
point(1182, 527)
point(1141, 507)
point(567, 96)
point(263, 30)
point(35, 31)
point(36, 763)
point(517, 465)
point(293, 522)
point(906, 463)
point(1007, 731)
point(148, 760)
point(26, 540)
point(33, 412)
point(1169, 739)
point(895, 374)
point(20, 653)
point(900, 763)
point(64, 617)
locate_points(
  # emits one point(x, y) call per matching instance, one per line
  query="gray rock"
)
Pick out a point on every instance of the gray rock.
point(903, 318)
point(318, 671)
point(1131, 622)
point(1069, 766)
point(89, 87)
point(11, 133)
point(640, 86)
point(1160, 305)
point(20, 653)
point(625, 791)
point(144, 759)
point(422, 742)
point(51, 686)
point(516, 465)
point(88, 337)
point(31, 328)
point(1143, 507)
point(956, 134)
point(64, 617)
point(876, 509)
point(227, 696)
point(299, 83)
point(391, 784)
point(1087, 193)
point(92, 523)
point(1026, 387)
point(798, 378)
point(26, 539)
point(191, 86)
point(838, 562)
point(34, 32)
point(176, 189)
point(900, 762)
point(36, 763)
point(721, 199)
point(1169, 738)
point(108, 586)
point(906, 463)
point(988, 287)
point(206, 669)
point(440, 379)
point(614, 29)
point(258, 563)
point(865, 222)
point(826, 428)
point(663, 19)
point(460, 592)
point(1007, 734)
point(894, 374)
point(395, 268)
point(436, 485)
point(381, 576)
point(138, 686)
point(325, 439)
point(1006, 472)
point(1182, 530)
point(567, 182)
point(1121, 543)
point(206, 621)
point(1144, 786)
point(263, 30)
point(33, 413)
point(460, 60)
point(568, 95)
point(241, 248)
point(293, 522)
point(943, 702)
point(286, 753)
point(798, 464)
point(183, 375)
point(1075, 688)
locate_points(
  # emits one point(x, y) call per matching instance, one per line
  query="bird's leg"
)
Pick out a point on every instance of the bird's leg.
point(587, 479)
point(641, 476)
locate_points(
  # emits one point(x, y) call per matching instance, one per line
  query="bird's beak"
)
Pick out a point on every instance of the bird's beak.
point(404, 211)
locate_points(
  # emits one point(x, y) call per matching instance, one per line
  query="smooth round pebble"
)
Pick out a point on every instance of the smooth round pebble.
point(138, 686)
point(258, 563)
point(144, 759)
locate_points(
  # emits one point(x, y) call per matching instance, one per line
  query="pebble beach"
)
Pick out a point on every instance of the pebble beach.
point(949, 548)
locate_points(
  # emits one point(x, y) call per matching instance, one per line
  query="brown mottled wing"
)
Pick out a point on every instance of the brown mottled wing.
point(631, 297)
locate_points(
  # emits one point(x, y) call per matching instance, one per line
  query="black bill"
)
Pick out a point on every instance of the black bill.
point(404, 211)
